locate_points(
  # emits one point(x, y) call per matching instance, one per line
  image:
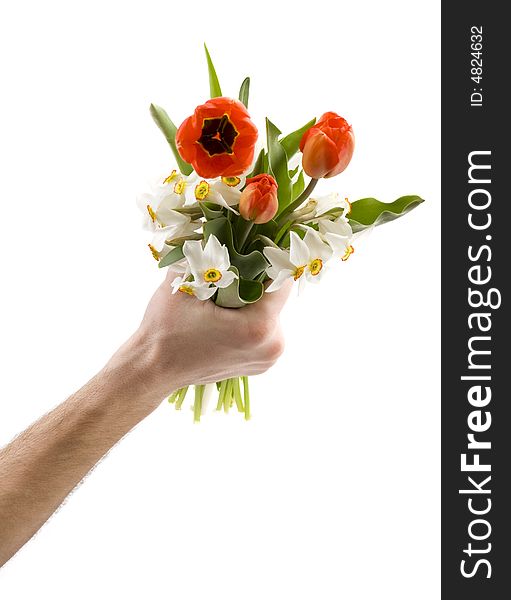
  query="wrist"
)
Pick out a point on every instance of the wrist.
point(133, 373)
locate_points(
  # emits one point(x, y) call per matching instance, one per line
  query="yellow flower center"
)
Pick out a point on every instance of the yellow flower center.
point(202, 190)
point(187, 289)
point(212, 275)
point(347, 212)
point(231, 181)
point(299, 272)
point(179, 188)
point(154, 252)
point(152, 214)
point(315, 266)
point(170, 177)
point(348, 253)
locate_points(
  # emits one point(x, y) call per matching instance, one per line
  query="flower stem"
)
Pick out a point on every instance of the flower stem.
point(180, 397)
point(221, 394)
point(300, 200)
point(282, 231)
point(246, 395)
point(237, 395)
point(172, 398)
point(197, 405)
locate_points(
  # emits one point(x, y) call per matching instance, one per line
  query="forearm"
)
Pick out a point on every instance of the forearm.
point(44, 463)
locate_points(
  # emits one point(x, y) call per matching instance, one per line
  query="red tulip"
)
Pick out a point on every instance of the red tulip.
point(327, 146)
point(259, 202)
point(218, 140)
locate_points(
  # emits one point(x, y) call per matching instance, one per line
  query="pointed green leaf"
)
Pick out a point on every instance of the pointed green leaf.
point(244, 91)
point(298, 186)
point(278, 164)
point(167, 127)
point(259, 164)
point(249, 265)
point(173, 256)
point(291, 142)
point(214, 85)
point(294, 171)
point(240, 293)
point(369, 211)
point(210, 210)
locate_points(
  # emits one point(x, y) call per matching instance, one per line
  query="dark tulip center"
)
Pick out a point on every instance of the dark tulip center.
point(218, 135)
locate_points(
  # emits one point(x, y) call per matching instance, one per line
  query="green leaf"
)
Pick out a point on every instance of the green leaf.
point(259, 164)
point(278, 164)
point(211, 210)
point(249, 265)
point(244, 91)
point(240, 293)
point(298, 186)
point(294, 171)
point(214, 85)
point(173, 256)
point(291, 142)
point(167, 127)
point(369, 211)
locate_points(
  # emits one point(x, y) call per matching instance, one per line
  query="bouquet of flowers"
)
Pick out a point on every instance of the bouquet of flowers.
point(234, 228)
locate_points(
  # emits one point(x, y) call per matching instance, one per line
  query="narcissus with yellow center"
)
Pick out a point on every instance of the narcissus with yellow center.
point(303, 260)
point(212, 275)
point(208, 264)
point(223, 191)
point(160, 208)
point(338, 235)
point(315, 266)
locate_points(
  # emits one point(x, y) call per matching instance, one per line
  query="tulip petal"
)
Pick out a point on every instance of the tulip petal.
point(320, 155)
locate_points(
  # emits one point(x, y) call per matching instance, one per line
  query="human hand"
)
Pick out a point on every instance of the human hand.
point(183, 341)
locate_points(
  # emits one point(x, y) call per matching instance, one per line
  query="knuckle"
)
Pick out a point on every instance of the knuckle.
point(260, 331)
point(275, 349)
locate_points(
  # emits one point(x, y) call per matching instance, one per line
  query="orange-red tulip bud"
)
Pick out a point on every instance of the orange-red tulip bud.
point(259, 202)
point(327, 146)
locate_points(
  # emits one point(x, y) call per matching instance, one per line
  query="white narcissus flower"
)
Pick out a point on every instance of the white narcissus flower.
point(159, 205)
point(339, 235)
point(224, 191)
point(161, 217)
point(305, 257)
point(209, 266)
point(326, 203)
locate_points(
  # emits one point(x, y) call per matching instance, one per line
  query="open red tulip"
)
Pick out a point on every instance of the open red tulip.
point(218, 140)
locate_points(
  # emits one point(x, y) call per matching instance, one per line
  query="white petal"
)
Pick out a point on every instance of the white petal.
point(326, 203)
point(317, 248)
point(203, 292)
point(299, 252)
point(231, 195)
point(216, 256)
point(227, 278)
point(340, 227)
point(277, 283)
point(194, 253)
point(338, 243)
point(159, 239)
point(165, 212)
point(217, 198)
point(278, 258)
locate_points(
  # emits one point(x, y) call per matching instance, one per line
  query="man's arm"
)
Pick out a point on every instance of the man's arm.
point(180, 341)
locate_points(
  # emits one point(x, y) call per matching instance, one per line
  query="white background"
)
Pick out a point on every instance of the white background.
point(332, 490)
